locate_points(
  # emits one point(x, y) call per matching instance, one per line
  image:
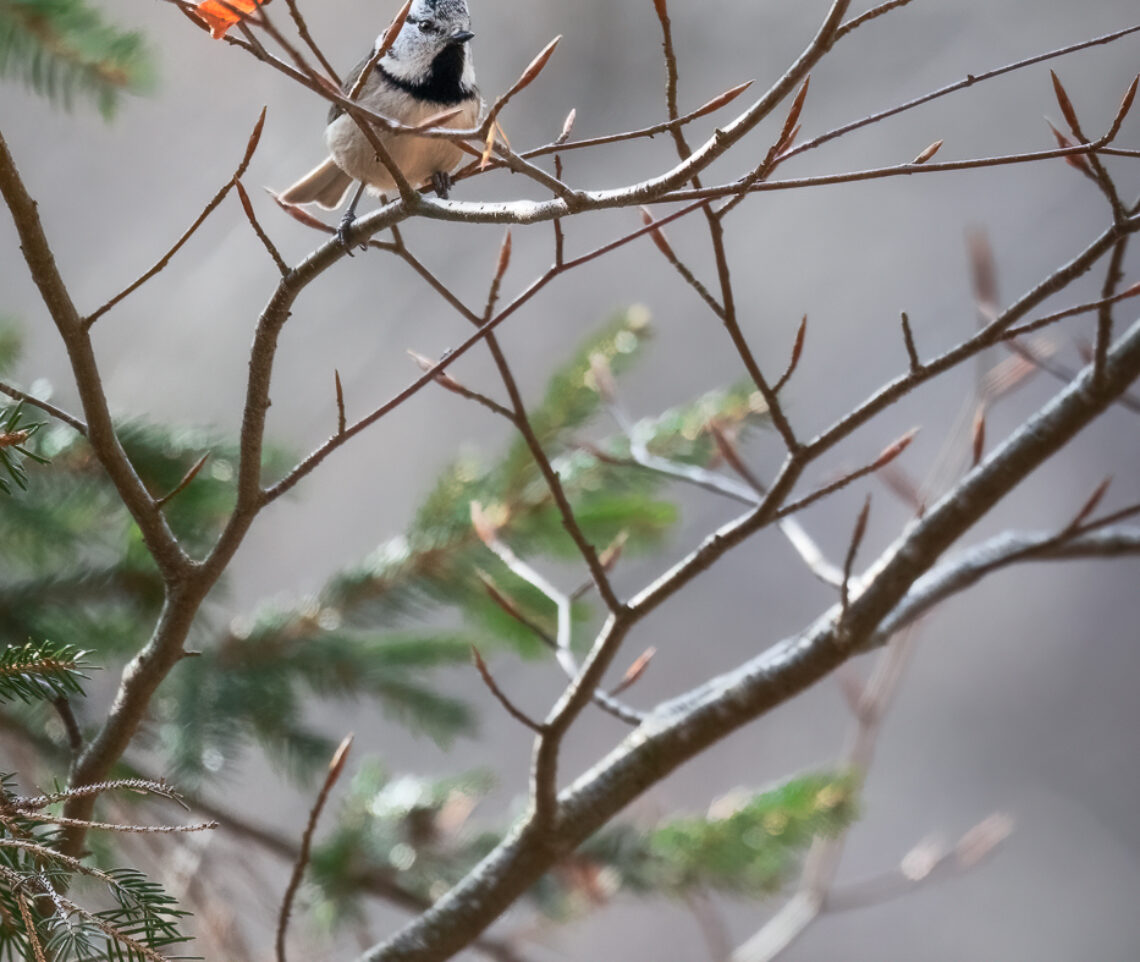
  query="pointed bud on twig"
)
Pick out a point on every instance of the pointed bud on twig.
point(1089, 506)
point(793, 117)
point(341, 419)
point(720, 100)
point(929, 152)
point(785, 145)
point(657, 234)
point(982, 839)
point(184, 483)
point(246, 204)
point(504, 257)
point(979, 434)
point(1066, 106)
point(892, 451)
point(1125, 106)
point(534, 68)
point(251, 146)
point(797, 350)
point(634, 672)
point(487, 532)
point(340, 756)
point(1073, 160)
point(567, 126)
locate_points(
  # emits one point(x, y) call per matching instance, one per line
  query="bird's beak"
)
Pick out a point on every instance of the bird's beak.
point(461, 37)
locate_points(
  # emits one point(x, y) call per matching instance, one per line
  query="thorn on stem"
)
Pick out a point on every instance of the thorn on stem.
point(634, 672)
point(892, 451)
point(849, 560)
point(979, 447)
point(184, 483)
point(1088, 507)
point(797, 350)
point(792, 120)
point(911, 349)
point(341, 419)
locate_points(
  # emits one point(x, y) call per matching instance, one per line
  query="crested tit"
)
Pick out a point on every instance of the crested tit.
point(427, 70)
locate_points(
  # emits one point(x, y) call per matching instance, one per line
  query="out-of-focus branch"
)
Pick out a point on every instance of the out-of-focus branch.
point(680, 729)
point(336, 766)
point(562, 602)
point(967, 569)
point(58, 413)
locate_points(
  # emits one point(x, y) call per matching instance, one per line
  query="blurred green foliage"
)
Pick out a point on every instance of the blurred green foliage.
point(379, 630)
point(64, 49)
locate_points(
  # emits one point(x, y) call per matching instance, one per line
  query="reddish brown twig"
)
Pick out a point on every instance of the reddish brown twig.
point(336, 766)
point(515, 713)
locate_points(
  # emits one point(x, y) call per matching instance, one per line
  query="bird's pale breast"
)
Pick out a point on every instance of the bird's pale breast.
point(417, 157)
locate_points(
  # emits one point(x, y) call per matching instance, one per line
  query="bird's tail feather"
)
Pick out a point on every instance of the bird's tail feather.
point(325, 185)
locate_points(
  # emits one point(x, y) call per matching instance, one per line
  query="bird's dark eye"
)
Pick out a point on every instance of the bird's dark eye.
point(428, 27)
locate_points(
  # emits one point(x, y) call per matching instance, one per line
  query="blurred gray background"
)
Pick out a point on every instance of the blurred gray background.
point(1022, 696)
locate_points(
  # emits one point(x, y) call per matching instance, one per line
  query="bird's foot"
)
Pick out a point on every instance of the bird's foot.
point(343, 229)
point(441, 181)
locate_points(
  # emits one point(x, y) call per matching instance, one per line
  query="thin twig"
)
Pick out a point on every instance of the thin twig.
point(303, 32)
point(1104, 322)
point(184, 483)
point(911, 350)
point(794, 360)
point(969, 81)
point(336, 766)
point(274, 253)
point(58, 413)
point(70, 725)
point(888, 454)
point(849, 558)
point(251, 146)
point(341, 419)
point(517, 714)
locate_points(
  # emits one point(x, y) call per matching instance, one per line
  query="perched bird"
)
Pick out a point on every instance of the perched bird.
point(427, 70)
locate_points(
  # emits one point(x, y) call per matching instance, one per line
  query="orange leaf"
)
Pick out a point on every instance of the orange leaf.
point(223, 14)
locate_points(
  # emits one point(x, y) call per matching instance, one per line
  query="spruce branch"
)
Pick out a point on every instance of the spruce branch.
point(65, 49)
